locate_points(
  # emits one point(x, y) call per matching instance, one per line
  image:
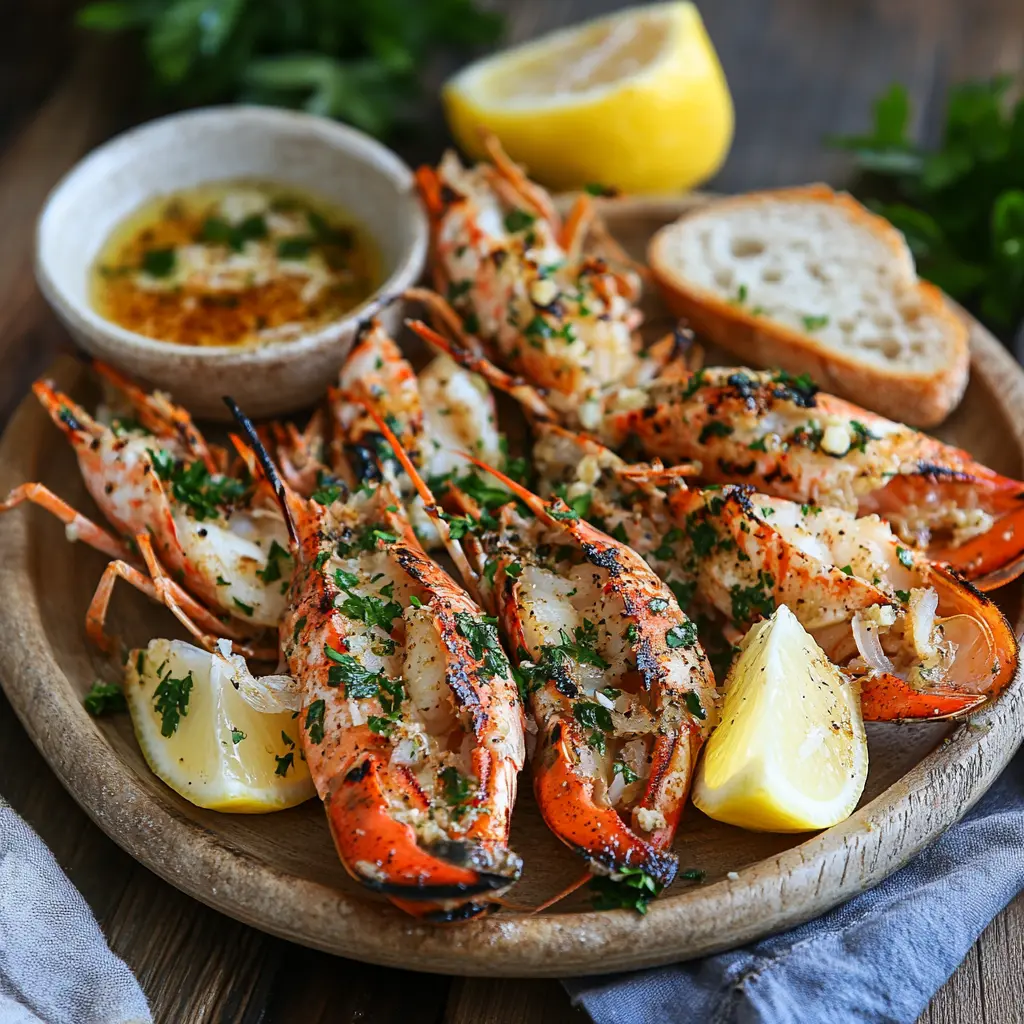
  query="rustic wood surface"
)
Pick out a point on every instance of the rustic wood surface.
point(799, 70)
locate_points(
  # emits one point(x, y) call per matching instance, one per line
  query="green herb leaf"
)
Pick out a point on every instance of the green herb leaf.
point(170, 701)
point(159, 262)
point(104, 699)
point(633, 889)
point(682, 635)
point(315, 721)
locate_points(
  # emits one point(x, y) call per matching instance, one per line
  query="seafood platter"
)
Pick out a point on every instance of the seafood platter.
point(553, 637)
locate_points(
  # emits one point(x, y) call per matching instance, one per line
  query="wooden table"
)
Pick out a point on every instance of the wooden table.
point(799, 69)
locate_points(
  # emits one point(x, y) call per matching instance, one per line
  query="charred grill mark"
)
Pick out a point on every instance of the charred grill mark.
point(564, 682)
point(363, 460)
point(647, 663)
point(360, 772)
point(661, 866)
point(777, 474)
point(734, 469)
point(603, 557)
point(464, 912)
point(269, 469)
point(933, 472)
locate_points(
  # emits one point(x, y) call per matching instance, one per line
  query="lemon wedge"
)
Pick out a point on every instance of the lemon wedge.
point(790, 754)
point(204, 740)
point(635, 101)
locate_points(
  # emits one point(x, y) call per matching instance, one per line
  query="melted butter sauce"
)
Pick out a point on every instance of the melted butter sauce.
point(233, 263)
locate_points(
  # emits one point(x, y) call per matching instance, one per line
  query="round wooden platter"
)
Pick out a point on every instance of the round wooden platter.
point(279, 872)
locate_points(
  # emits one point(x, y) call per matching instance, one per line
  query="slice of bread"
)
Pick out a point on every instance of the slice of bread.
point(808, 280)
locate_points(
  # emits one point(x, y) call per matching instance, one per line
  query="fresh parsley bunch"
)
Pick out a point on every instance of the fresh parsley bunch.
point(961, 206)
point(355, 60)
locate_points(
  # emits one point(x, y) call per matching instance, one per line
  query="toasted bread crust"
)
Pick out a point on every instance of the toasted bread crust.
point(920, 399)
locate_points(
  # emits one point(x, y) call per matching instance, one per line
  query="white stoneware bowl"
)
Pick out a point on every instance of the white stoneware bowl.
point(340, 164)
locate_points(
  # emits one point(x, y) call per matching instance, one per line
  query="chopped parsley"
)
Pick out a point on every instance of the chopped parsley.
point(623, 769)
point(518, 220)
point(315, 721)
point(814, 323)
point(456, 789)
point(595, 717)
point(374, 611)
point(714, 428)
point(632, 890)
point(242, 607)
point(272, 571)
point(170, 701)
point(684, 634)
point(906, 559)
point(741, 296)
point(753, 602)
point(848, 569)
point(327, 494)
point(564, 515)
point(482, 636)
point(903, 595)
point(104, 699)
point(194, 486)
point(861, 436)
point(657, 605)
point(237, 735)
point(284, 762)
point(694, 706)
point(159, 262)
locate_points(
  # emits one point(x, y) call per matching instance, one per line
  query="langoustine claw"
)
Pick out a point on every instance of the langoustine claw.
point(410, 721)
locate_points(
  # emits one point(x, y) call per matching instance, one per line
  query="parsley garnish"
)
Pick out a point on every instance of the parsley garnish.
point(906, 559)
point(861, 436)
point(814, 323)
point(237, 735)
point(159, 262)
point(684, 634)
point(241, 606)
point(170, 701)
point(518, 220)
point(714, 428)
point(104, 699)
point(632, 890)
point(483, 642)
point(326, 495)
point(595, 717)
point(693, 705)
point(456, 790)
point(755, 601)
point(284, 762)
point(193, 485)
point(623, 769)
point(315, 721)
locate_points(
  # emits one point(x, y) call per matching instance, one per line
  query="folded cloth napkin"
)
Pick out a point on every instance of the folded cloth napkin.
point(55, 965)
point(880, 957)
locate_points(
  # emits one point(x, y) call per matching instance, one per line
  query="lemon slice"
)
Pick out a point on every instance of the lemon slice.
point(790, 754)
point(636, 101)
point(221, 753)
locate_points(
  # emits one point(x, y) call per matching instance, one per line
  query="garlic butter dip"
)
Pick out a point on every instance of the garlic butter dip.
point(233, 263)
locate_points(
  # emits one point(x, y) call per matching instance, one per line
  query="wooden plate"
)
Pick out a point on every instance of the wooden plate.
point(279, 872)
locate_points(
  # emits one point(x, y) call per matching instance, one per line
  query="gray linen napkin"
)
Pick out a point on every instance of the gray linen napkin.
point(55, 965)
point(879, 958)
